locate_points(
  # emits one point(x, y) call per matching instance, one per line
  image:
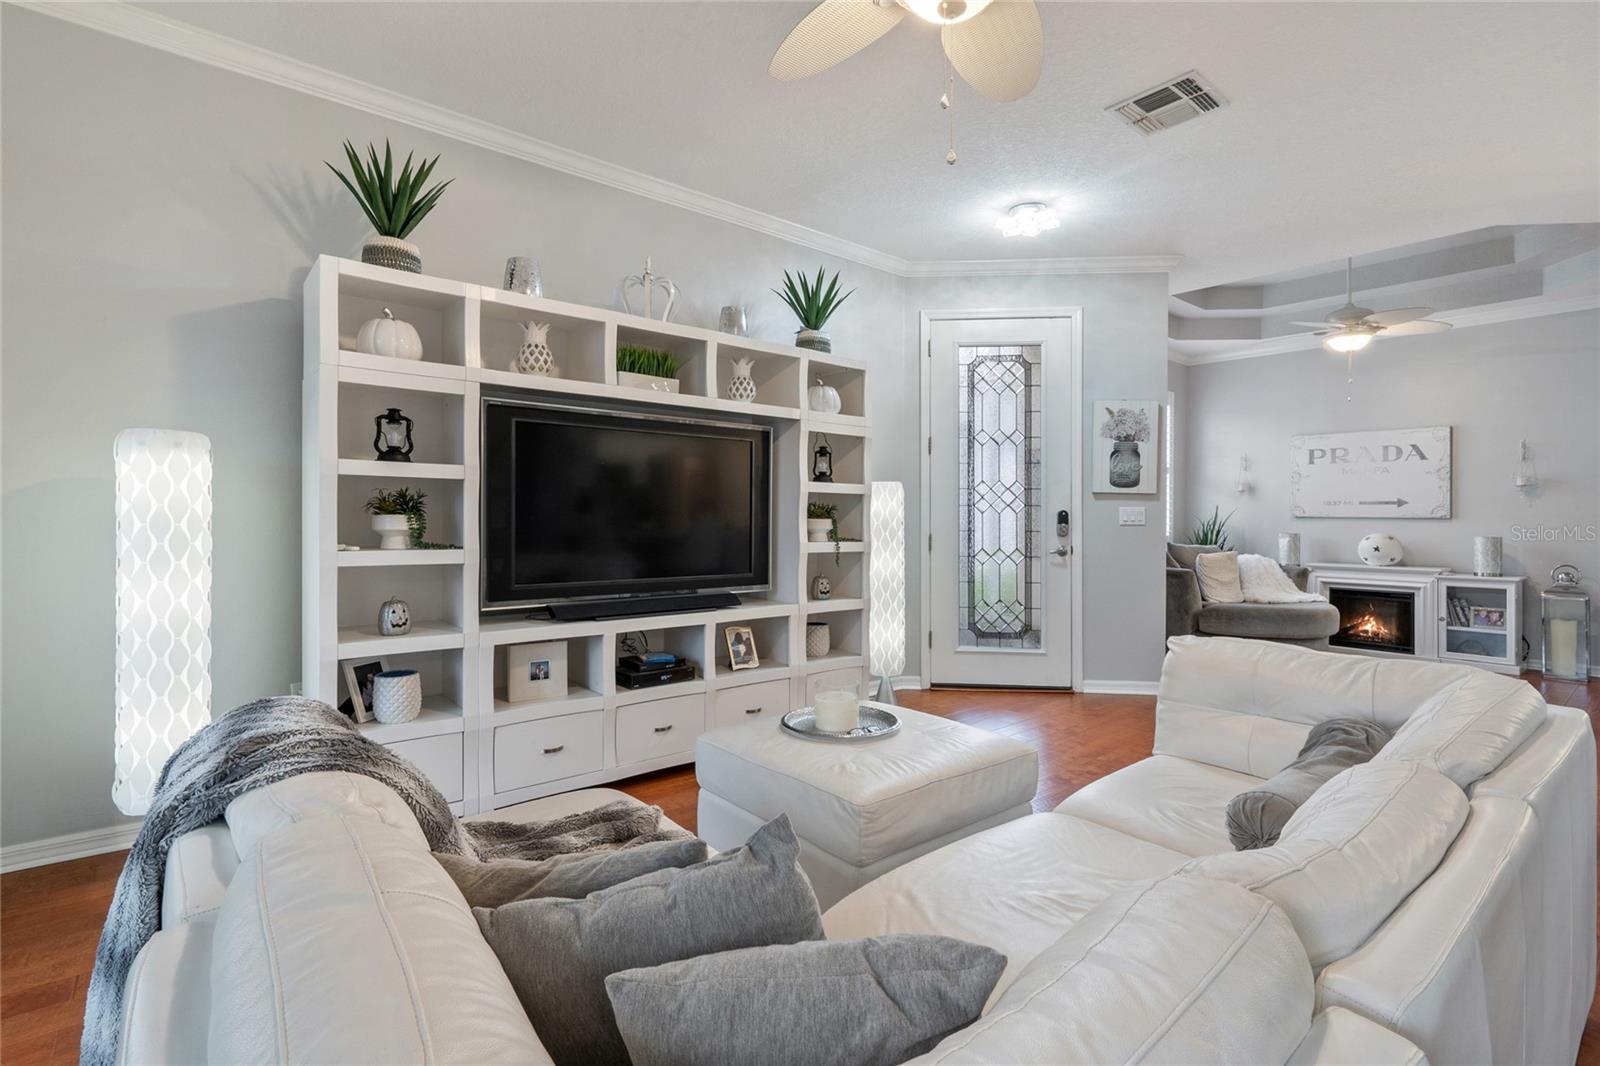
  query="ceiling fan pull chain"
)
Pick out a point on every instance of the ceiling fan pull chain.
point(945, 102)
point(1350, 375)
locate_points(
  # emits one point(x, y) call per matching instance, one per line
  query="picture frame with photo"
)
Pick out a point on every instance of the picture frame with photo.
point(536, 672)
point(358, 679)
point(741, 642)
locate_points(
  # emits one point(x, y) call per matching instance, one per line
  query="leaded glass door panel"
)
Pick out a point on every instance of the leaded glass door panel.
point(1000, 471)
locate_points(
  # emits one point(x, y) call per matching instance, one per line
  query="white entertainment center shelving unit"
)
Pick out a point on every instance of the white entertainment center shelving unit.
point(481, 751)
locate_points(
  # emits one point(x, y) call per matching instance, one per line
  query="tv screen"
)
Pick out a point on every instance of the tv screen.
point(580, 502)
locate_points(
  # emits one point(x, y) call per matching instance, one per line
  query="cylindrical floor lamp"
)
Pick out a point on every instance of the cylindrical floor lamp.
point(163, 672)
point(887, 646)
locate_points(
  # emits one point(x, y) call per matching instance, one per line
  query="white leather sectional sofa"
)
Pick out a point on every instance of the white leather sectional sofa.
point(1438, 901)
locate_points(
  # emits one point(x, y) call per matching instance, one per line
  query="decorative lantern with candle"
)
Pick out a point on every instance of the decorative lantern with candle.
point(1565, 608)
point(822, 460)
point(392, 441)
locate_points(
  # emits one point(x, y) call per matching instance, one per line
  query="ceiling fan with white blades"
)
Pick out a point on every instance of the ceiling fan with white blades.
point(997, 46)
point(1352, 327)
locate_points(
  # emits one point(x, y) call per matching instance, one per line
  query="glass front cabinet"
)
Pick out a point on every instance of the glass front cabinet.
point(1480, 621)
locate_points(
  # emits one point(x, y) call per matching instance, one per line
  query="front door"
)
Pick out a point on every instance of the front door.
point(1001, 458)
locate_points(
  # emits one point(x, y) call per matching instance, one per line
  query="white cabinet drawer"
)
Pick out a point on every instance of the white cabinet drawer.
point(765, 701)
point(439, 757)
point(660, 727)
point(531, 753)
point(850, 680)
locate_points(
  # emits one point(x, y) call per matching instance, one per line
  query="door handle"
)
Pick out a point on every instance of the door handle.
point(663, 729)
point(752, 710)
point(1063, 550)
point(554, 750)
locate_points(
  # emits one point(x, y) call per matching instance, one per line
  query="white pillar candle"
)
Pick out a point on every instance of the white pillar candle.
point(837, 711)
point(1561, 658)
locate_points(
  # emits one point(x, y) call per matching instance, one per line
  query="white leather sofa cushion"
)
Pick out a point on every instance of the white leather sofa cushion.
point(1351, 853)
point(1176, 803)
point(1554, 773)
point(1455, 969)
point(865, 803)
point(342, 940)
point(1343, 1038)
point(1247, 705)
point(199, 866)
point(1468, 729)
point(263, 811)
point(1014, 888)
point(1181, 970)
point(167, 997)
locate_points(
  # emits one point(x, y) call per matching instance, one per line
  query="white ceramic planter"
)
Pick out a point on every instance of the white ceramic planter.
point(394, 531)
point(819, 640)
point(647, 381)
point(396, 696)
point(817, 529)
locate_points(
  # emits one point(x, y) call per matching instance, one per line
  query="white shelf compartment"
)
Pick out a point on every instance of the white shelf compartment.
point(689, 346)
point(378, 557)
point(577, 700)
point(444, 503)
point(847, 632)
point(437, 415)
point(776, 372)
point(580, 338)
point(359, 641)
point(847, 576)
point(835, 488)
point(773, 644)
point(438, 717)
point(848, 447)
point(401, 471)
point(847, 377)
point(435, 307)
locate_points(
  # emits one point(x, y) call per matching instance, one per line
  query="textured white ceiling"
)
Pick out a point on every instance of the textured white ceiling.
point(1351, 127)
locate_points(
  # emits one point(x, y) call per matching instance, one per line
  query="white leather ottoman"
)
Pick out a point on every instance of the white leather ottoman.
point(862, 809)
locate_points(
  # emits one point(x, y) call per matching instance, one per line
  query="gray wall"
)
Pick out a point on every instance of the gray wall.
point(1182, 514)
point(1124, 357)
point(160, 218)
point(1537, 379)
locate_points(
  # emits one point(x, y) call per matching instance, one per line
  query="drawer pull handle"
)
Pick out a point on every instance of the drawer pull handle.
point(663, 729)
point(554, 750)
point(752, 710)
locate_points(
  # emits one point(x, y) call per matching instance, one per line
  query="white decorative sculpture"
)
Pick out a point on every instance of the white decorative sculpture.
point(1380, 549)
point(163, 658)
point(648, 282)
point(741, 386)
point(535, 357)
point(388, 336)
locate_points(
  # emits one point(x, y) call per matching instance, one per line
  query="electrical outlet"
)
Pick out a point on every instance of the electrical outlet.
point(1130, 516)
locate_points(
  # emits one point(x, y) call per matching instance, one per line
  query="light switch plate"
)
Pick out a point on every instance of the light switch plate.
point(1130, 516)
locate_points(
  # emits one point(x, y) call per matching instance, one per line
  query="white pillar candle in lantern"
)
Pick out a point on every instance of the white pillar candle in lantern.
point(887, 646)
point(163, 582)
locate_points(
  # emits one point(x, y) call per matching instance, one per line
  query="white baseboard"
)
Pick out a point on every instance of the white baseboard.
point(906, 681)
point(71, 846)
point(1120, 688)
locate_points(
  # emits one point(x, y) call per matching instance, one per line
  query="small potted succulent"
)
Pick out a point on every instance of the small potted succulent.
point(394, 203)
point(813, 303)
point(399, 517)
point(822, 524)
point(646, 368)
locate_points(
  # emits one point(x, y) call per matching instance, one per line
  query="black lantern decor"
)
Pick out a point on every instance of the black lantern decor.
point(822, 461)
point(392, 441)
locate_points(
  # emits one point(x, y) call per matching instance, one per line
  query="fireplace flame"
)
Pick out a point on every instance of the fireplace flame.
point(1370, 627)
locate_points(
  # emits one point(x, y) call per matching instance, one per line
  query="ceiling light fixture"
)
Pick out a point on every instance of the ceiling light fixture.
point(945, 12)
point(1028, 219)
point(1351, 339)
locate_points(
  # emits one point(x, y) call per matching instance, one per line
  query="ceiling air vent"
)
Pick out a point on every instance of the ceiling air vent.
point(1170, 104)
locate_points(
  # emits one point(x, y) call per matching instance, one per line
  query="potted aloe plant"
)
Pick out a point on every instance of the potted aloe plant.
point(813, 303)
point(646, 368)
point(393, 203)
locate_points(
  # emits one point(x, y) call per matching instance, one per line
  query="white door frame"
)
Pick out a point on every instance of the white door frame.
point(1074, 465)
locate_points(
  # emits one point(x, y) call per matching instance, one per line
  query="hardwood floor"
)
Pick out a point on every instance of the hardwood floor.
point(50, 917)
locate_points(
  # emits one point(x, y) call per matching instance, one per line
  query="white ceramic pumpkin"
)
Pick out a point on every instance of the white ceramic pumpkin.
point(1380, 549)
point(389, 336)
point(824, 399)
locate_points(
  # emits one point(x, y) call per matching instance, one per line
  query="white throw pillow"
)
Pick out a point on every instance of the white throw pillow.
point(1219, 577)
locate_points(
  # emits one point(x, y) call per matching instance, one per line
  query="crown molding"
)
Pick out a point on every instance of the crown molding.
point(1010, 268)
point(1466, 318)
point(120, 19)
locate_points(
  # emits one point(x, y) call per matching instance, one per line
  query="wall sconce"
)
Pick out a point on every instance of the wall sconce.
point(1242, 484)
point(1526, 479)
point(163, 583)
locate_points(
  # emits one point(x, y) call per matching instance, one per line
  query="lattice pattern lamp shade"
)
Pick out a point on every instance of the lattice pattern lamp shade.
point(888, 615)
point(163, 675)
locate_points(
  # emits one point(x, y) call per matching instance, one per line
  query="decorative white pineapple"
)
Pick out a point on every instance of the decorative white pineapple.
point(742, 386)
point(535, 356)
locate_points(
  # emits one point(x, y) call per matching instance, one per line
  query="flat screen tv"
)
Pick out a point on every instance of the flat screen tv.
point(579, 502)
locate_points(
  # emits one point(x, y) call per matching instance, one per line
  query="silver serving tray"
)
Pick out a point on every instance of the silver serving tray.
point(876, 722)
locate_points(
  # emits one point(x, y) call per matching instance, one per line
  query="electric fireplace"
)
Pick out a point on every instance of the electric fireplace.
point(1375, 620)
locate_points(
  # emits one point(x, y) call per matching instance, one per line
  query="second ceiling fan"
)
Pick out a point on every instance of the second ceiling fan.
point(996, 46)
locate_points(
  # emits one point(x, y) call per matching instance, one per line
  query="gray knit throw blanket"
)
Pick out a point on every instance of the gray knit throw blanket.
point(277, 738)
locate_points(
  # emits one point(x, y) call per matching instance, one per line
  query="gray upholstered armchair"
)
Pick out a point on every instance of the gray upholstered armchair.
point(1310, 624)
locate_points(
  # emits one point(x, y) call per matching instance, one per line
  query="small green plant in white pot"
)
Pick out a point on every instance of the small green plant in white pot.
point(822, 524)
point(399, 517)
point(813, 303)
point(395, 204)
point(646, 368)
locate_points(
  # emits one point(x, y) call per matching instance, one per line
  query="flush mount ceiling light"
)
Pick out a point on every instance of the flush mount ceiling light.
point(1028, 219)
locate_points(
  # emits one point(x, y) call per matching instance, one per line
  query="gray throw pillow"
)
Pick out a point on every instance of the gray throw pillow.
point(501, 881)
point(559, 952)
point(1256, 818)
point(875, 1002)
point(1184, 554)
